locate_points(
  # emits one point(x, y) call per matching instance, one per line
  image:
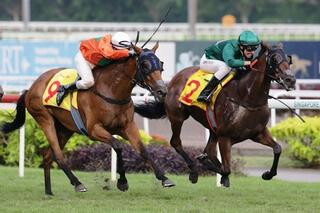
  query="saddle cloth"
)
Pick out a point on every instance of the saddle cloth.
point(66, 76)
point(196, 83)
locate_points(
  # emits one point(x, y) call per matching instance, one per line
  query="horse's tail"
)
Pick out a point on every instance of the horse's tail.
point(20, 116)
point(152, 110)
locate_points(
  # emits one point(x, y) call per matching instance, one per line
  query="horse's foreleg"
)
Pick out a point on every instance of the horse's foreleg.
point(175, 142)
point(225, 151)
point(100, 134)
point(209, 159)
point(265, 138)
point(131, 133)
point(122, 183)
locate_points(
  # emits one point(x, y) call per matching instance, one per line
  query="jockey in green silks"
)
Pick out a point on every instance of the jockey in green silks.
point(222, 56)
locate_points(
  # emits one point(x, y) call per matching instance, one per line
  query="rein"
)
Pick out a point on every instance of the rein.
point(270, 68)
point(291, 110)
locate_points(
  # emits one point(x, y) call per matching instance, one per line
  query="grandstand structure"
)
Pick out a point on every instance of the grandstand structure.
point(167, 32)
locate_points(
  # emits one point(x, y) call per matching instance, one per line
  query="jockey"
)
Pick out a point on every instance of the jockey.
point(220, 57)
point(96, 51)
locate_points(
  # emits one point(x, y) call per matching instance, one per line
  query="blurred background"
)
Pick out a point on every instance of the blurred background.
point(37, 35)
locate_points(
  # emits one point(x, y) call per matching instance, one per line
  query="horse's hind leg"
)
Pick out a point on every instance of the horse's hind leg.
point(46, 122)
point(175, 142)
point(63, 136)
point(265, 138)
point(131, 132)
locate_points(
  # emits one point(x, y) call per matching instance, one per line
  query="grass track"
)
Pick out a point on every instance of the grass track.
point(247, 194)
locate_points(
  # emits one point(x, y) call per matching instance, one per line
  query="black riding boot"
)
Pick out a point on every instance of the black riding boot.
point(63, 91)
point(206, 92)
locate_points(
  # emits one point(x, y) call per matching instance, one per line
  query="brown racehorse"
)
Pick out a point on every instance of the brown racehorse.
point(106, 109)
point(241, 111)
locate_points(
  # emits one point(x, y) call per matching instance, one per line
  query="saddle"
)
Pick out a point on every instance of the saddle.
point(69, 103)
point(195, 84)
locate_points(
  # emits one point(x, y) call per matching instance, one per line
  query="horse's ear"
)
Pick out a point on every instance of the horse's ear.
point(265, 45)
point(154, 49)
point(136, 49)
point(280, 45)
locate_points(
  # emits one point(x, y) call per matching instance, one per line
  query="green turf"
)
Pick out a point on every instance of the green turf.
point(266, 161)
point(247, 194)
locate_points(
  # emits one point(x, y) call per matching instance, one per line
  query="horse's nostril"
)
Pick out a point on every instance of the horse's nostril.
point(161, 93)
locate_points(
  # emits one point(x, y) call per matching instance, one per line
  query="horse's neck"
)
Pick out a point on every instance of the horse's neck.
point(116, 80)
point(254, 87)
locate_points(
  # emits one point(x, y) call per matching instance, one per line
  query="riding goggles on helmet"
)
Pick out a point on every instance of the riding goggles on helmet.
point(251, 48)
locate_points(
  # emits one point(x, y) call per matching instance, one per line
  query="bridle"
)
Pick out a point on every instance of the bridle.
point(147, 63)
point(142, 72)
point(274, 59)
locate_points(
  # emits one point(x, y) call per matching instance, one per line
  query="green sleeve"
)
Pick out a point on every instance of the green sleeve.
point(209, 51)
point(228, 57)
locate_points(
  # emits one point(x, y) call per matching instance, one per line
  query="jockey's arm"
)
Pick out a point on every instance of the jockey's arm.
point(228, 56)
point(109, 52)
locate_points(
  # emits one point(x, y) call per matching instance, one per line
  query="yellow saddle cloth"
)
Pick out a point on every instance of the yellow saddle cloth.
point(196, 83)
point(66, 76)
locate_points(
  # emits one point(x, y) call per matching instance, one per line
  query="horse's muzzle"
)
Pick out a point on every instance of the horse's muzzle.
point(290, 82)
point(161, 91)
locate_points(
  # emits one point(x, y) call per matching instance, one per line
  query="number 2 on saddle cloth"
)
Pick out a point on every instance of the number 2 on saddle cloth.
point(195, 84)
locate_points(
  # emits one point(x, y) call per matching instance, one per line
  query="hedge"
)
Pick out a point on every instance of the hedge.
point(303, 139)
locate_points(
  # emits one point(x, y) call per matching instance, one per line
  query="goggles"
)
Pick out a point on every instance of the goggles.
point(250, 48)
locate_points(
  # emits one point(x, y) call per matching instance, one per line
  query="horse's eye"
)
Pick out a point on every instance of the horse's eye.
point(146, 65)
point(277, 58)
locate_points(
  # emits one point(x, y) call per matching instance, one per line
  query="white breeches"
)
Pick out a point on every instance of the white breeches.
point(84, 69)
point(219, 68)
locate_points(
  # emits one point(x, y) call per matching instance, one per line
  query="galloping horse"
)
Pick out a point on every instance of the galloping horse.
point(106, 109)
point(241, 111)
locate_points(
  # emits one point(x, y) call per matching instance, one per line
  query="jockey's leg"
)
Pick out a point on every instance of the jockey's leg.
point(84, 70)
point(220, 70)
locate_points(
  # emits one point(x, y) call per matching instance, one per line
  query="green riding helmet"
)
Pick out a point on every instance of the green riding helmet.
point(248, 38)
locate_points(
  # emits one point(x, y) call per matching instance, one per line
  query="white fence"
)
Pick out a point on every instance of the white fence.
point(169, 31)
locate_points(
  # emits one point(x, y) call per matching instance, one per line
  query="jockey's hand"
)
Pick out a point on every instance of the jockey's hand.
point(132, 52)
point(247, 63)
point(253, 62)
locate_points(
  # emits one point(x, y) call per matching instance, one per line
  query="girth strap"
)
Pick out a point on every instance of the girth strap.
point(113, 101)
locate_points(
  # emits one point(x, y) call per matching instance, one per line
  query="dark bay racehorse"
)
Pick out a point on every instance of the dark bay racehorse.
point(106, 109)
point(241, 112)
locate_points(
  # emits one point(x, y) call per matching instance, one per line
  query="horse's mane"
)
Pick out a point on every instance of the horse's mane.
point(120, 61)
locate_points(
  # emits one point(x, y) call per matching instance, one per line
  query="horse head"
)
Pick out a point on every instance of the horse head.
point(149, 70)
point(278, 67)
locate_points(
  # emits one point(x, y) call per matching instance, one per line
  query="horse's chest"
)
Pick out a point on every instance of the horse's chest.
point(117, 118)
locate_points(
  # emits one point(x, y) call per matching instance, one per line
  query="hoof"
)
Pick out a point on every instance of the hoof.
point(193, 177)
point(122, 185)
point(80, 188)
point(167, 183)
point(225, 181)
point(202, 156)
point(267, 175)
point(49, 194)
